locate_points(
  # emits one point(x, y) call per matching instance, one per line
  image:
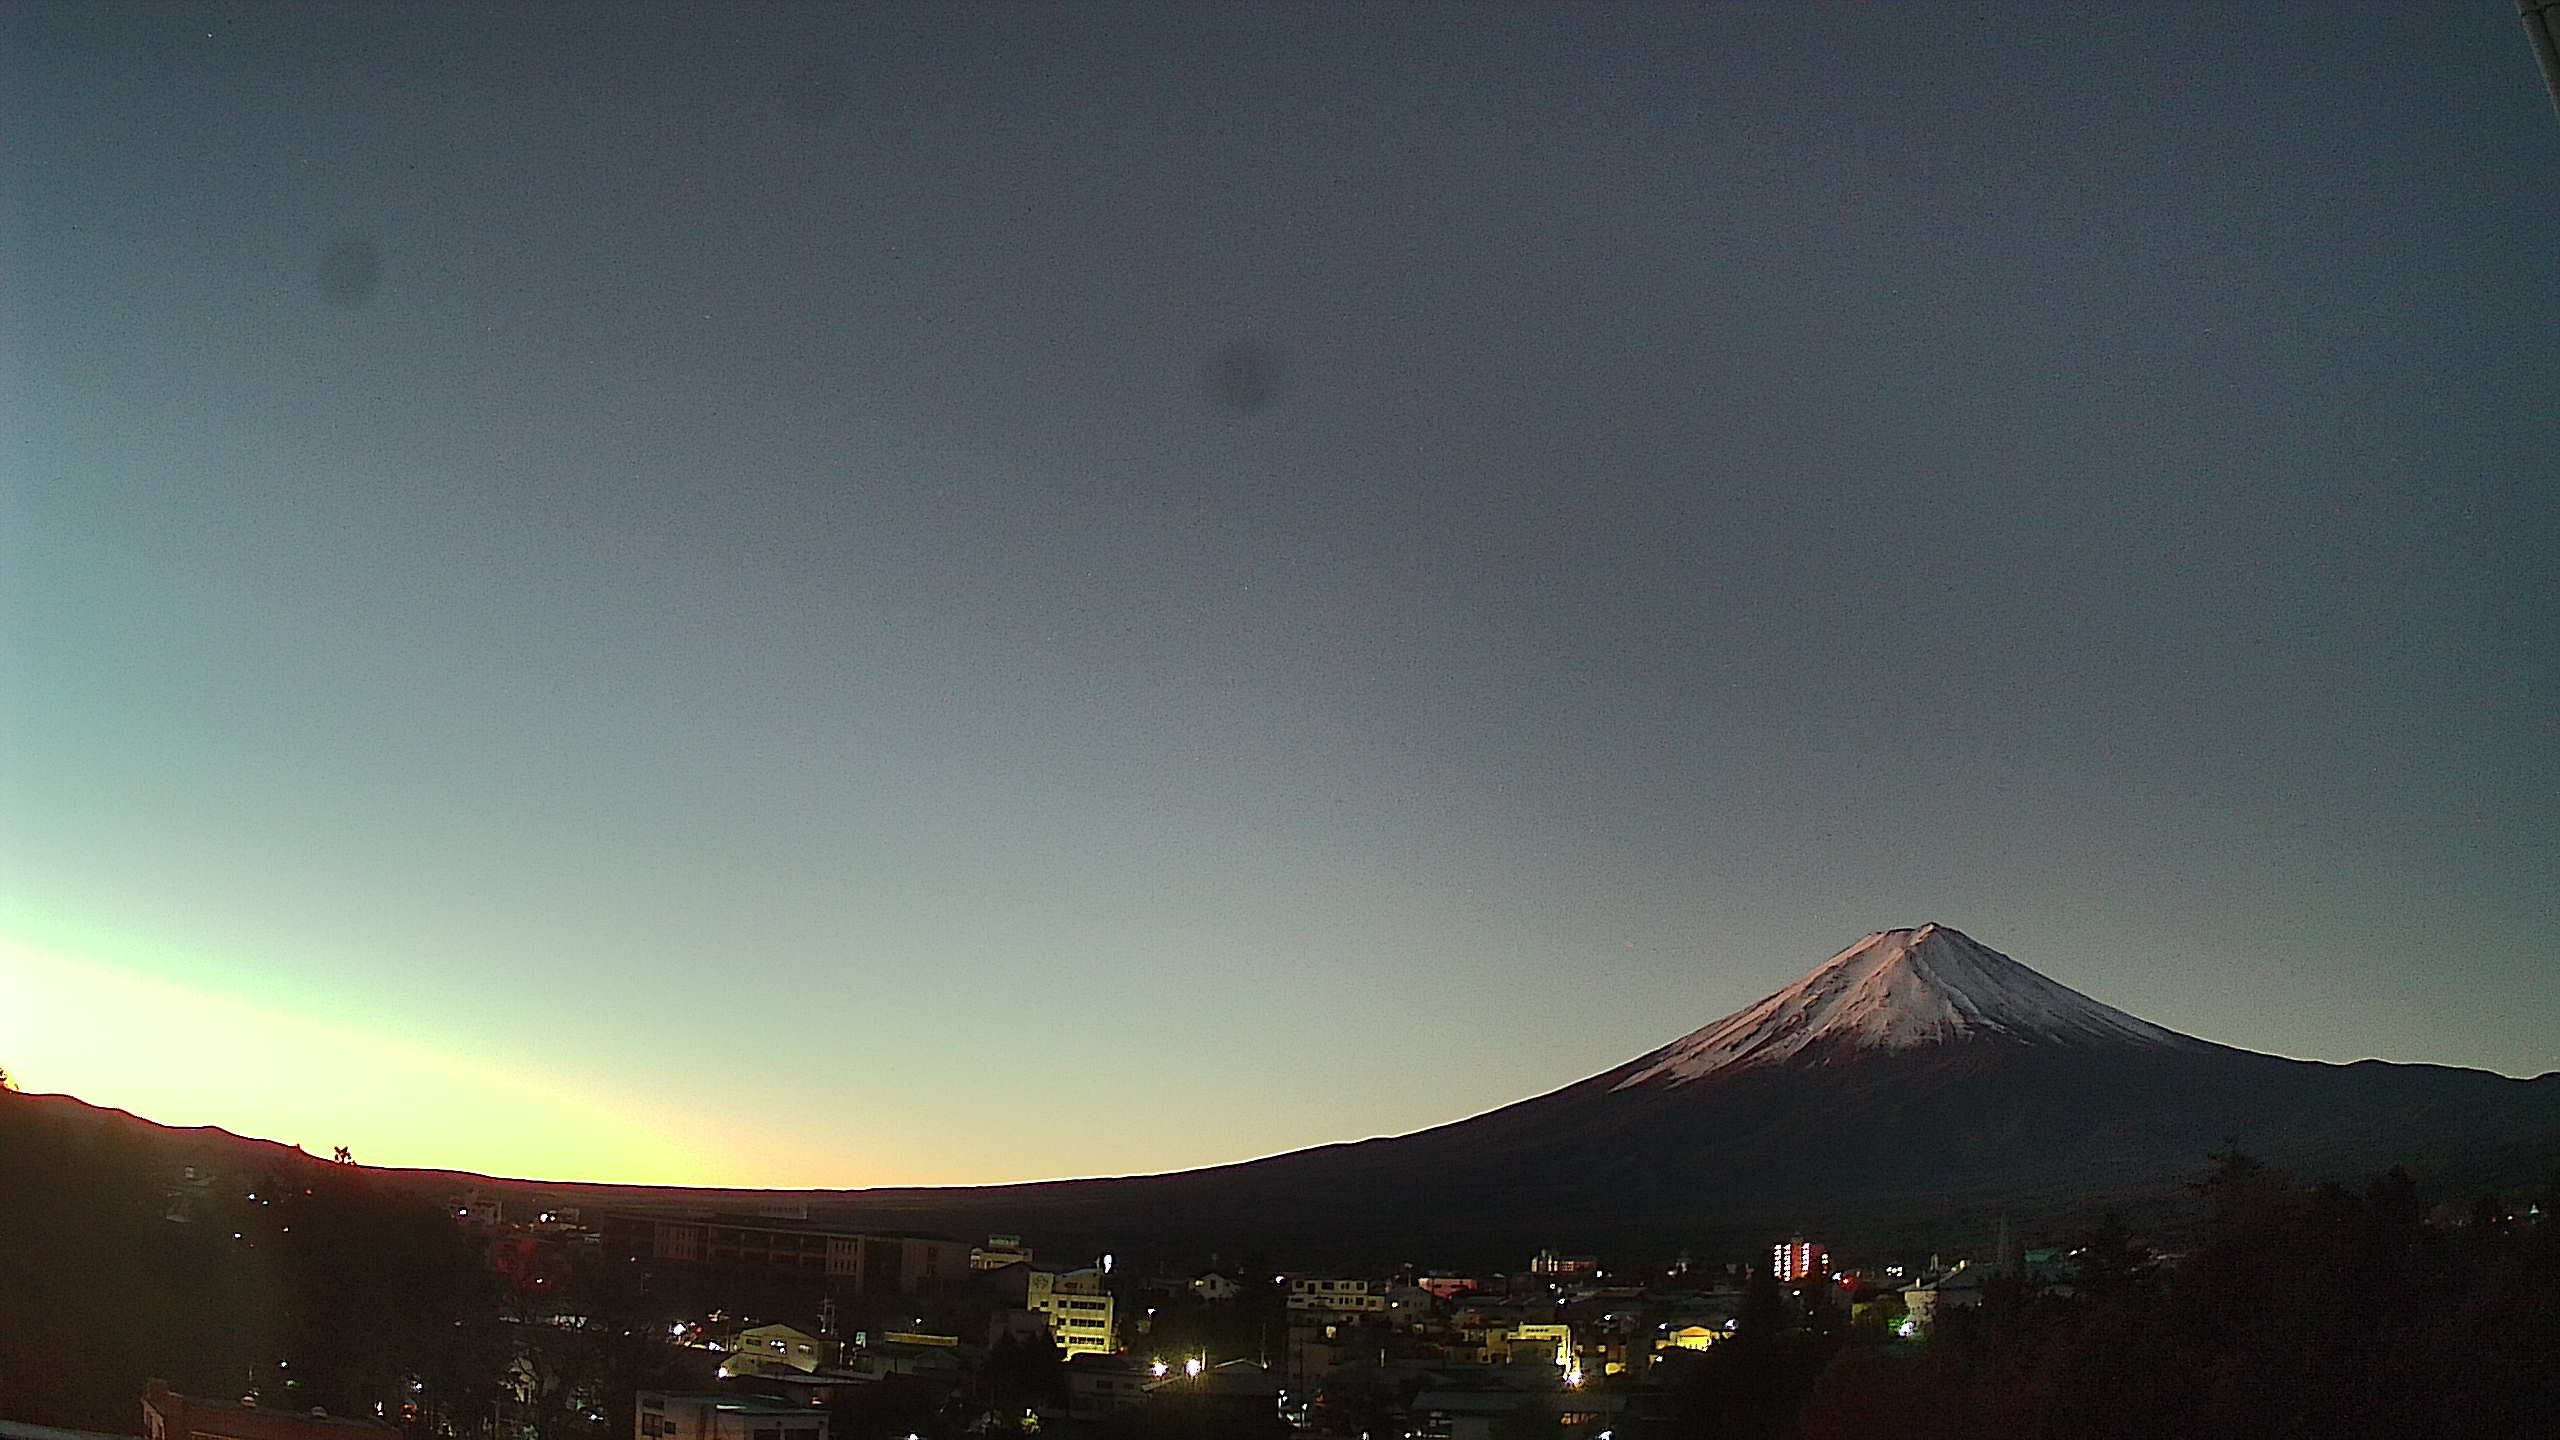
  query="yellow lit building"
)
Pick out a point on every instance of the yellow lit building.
point(1077, 1308)
point(1538, 1344)
point(1689, 1337)
point(768, 1349)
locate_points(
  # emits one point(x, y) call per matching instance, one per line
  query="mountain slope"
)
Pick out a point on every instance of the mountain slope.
point(1913, 1088)
point(1917, 1083)
point(1895, 990)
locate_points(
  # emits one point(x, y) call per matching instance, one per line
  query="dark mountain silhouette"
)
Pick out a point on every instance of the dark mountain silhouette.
point(1916, 1087)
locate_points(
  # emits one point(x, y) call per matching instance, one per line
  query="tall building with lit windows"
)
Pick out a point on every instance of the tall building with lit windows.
point(1798, 1259)
point(1077, 1307)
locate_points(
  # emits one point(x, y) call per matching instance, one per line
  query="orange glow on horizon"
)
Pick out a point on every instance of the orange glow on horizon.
point(183, 1056)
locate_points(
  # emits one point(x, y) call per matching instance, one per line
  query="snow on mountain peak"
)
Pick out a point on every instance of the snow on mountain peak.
point(1894, 990)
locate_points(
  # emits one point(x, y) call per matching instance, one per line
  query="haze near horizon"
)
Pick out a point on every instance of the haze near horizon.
point(802, 597)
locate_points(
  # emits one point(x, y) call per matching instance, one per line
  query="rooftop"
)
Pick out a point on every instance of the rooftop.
point(21, 1430)
point(739, 1404)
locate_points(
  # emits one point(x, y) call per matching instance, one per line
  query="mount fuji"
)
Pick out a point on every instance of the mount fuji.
point(1901, 990)
point(1918, 1085)
point(1915, 1088)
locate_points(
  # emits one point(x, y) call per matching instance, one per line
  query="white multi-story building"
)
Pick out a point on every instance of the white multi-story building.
point(1798, 1259)
point(1077, 1308)
point(769, 1349)
point(1337, 1297)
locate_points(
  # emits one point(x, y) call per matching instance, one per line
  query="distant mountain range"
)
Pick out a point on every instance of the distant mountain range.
point(1911, 1091)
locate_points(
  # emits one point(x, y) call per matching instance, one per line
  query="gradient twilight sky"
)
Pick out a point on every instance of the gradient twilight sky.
point(802, 596)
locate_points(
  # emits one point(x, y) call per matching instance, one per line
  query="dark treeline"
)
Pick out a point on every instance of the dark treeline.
point(285, 1278)
point(301, 1282)
point(236, 1270)
point(2294, 1313)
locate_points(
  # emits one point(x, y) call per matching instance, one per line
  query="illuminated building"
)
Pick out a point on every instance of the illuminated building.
point(1799, 1259)
point(769, 1349)
point(1551, 1263)
point(1077, 1309)
point(1545, 1343)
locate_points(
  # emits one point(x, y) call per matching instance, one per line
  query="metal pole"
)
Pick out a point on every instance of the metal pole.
point(2542, 27)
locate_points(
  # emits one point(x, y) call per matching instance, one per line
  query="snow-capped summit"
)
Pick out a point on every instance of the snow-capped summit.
point(1894, 990)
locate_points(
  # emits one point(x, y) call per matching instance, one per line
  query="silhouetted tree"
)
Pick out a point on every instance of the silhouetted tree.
point(133, 1254)
point(1751, 1385)
point(2108, 1264)
point(2300, 1313)
point(1020, 1373)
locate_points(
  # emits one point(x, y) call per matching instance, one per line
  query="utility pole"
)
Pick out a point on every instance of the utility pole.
point(2542, 27)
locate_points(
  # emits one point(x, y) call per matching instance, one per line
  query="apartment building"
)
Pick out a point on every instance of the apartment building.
point(862, 1262)
point(1309, 1294)
point(1079, 1311)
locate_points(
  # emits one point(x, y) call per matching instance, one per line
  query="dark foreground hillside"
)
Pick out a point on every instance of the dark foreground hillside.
point(116, 1267)
point(2386, 1308)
